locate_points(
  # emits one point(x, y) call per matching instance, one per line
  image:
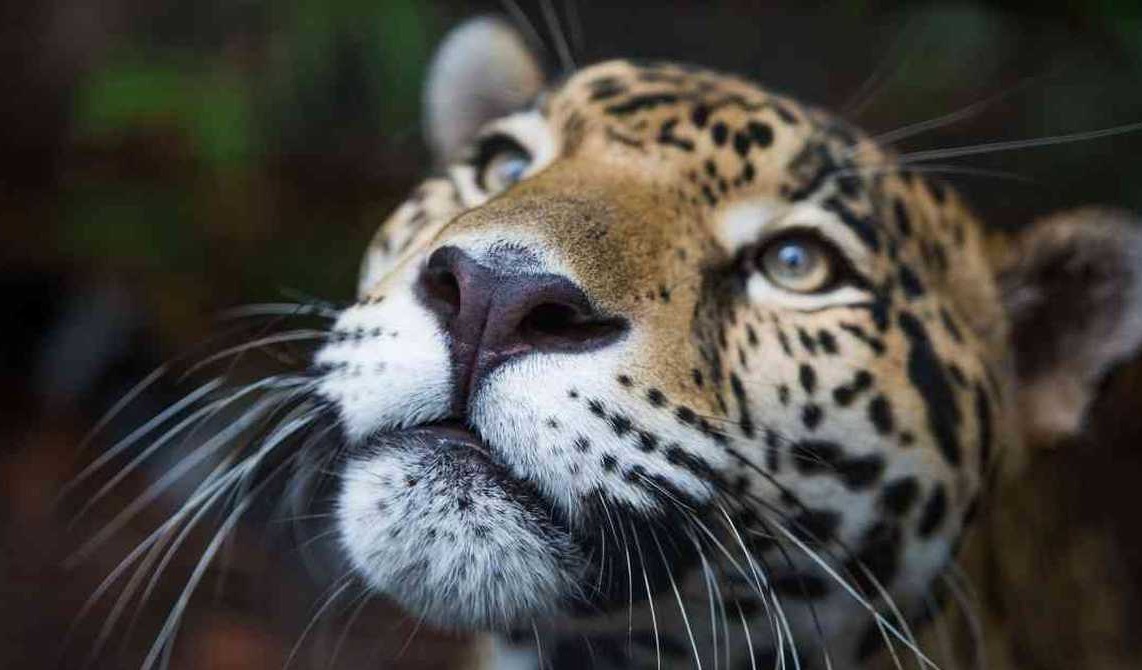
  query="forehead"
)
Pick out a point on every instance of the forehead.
point(623, 88)
point(687, 118)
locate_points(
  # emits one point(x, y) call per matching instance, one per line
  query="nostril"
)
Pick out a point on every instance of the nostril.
point(550, 319)
point(440, 289)
point(554, 326)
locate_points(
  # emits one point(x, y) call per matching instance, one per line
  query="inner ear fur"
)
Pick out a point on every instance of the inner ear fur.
point(1072, 288)
point(484, 69)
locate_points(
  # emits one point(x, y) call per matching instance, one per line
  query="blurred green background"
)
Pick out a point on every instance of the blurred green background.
point(160, 161)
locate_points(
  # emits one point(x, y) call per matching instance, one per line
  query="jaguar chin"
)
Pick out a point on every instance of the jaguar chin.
point(430, 517)
point(660, 368)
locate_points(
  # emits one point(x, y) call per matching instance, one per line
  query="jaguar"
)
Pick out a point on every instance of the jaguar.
point(660, 368)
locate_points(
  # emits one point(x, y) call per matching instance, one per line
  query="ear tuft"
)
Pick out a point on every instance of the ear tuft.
point(1072, 286)
point(482, 70)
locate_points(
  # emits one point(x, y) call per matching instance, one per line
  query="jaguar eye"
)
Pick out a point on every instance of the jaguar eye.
point(798, 262)
point(500, 162)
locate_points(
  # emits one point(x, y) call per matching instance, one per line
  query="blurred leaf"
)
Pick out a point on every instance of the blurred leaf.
point(120, 95)
point(207, 105)
point(129, 224)
point(222, 121)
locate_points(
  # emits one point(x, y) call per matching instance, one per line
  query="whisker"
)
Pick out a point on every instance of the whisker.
point(348, 581)
point(881, 74)
point(157, 551)
point(678, 598)
point(551, 17)
point(299, 335)
point(852, 592)
point(970, 613)
point(139, 433)
point(1015, 145)
point(881, 622)
point(203, 414)
point(286, 430)
point(940, 625)
point(777, 616)
point(649, 600)
point(145, 384)
point(279, 309)
point(935, 169)
point(574, 25)
point(914, 129)
point(119, 405)
point(524, 24)
point(170, 625)
point(715, 595)
point(173, 475)
point(144, 547)
point(365, 598)
point(748, 638)
point(630, 574)
point(538, 646)
point(818, 628)
point(301, 297)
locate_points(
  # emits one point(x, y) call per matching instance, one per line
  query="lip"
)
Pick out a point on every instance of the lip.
point(454, 434)
point(451, 431)
point(460, 440)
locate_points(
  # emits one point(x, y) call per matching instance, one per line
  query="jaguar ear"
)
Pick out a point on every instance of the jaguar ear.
point(1072, 287)
point(482, 70)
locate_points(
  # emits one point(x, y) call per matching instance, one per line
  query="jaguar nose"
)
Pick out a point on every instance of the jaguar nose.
point(492, 315)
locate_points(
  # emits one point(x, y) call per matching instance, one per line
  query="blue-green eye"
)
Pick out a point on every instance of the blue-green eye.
point(505, 169)
point(500, 162)
point(800, 263)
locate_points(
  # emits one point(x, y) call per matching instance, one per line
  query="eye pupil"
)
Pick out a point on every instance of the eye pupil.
point(794, 257)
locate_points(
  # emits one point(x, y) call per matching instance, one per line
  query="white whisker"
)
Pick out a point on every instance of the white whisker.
point(365, 597)
point(678, 598)
point(524, 24)
point(913, 129)
point(119, 405)
point(168, 479)
point(315, 618)
point(300, 335)
point(1014, 145)
point(855, 595)
point(557, 37)
point(965, 601)
point(279, 309)
point(649, 599)
point(140, 432)
point(170, 625)
point(194, 419)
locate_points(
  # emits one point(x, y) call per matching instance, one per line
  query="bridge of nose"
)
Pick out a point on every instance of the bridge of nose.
point(634, 246)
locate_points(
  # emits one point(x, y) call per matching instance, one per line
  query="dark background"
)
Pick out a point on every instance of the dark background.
point(162, 161)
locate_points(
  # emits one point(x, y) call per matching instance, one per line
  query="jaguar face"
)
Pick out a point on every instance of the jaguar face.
point(655, 340)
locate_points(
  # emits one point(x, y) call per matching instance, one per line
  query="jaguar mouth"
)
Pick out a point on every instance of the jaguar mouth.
point(469, 454)
point(432, 518)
